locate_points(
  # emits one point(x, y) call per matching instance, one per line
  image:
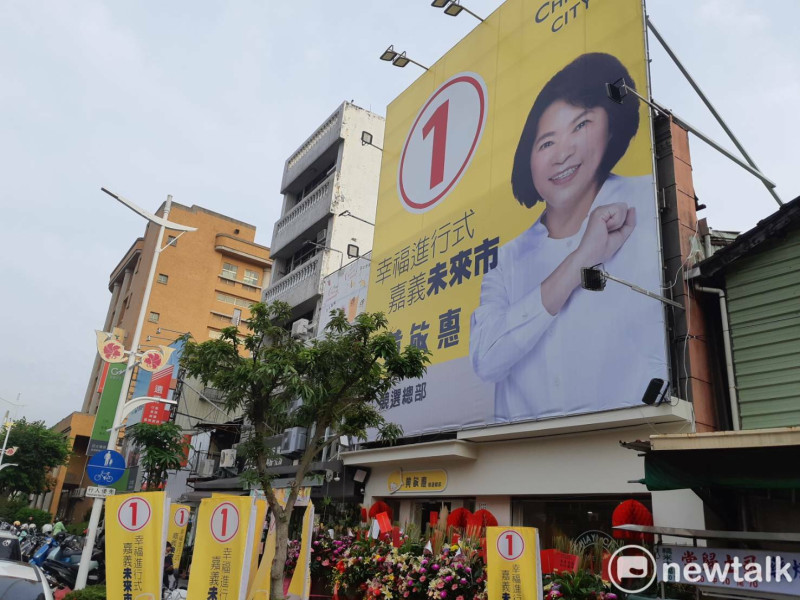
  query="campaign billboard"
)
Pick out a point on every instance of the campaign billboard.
point(345, 289)
point(506, 169)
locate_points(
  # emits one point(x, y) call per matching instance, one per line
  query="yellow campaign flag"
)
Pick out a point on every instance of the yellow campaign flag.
point(300, 586)
point(176, 530)
point(136, 532)
point(259, 587)
point(512, 563)
point(221, 561)
point(261, 514)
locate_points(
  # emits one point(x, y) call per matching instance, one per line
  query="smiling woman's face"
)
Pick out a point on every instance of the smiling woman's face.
point(570, 144)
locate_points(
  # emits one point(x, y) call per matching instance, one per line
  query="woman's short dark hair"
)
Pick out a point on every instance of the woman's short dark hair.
point(581, 83)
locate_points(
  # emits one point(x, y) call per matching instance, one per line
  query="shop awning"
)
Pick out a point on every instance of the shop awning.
point(764, 459)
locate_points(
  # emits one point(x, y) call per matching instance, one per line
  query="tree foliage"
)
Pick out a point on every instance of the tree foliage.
point(39, 451)
point(163, 449)
point(338, 377)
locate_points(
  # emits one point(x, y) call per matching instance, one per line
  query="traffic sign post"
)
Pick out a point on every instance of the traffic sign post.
point(106, 468)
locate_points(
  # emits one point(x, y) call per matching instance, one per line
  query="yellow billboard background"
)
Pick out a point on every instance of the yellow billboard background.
point(222, 550)
point(512, 563)
point(176, 534)
point(515, 52)
point(136, 528)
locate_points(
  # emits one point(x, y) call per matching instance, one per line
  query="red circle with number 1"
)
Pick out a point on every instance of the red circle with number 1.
point(225, 522)
point(442, 142)
point(134, 513)
point(510, 545)
point(181, 516)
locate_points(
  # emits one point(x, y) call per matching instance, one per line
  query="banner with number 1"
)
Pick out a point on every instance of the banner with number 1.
point(136, 531)
point(222, 548)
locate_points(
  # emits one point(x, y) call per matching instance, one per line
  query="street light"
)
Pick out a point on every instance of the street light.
point(454, 8)
point(347, 213)
point(341, 254)
point(399, 59)
point(164, 224)
point(366, 140)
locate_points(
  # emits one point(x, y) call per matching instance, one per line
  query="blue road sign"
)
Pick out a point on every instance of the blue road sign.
point(106, 467)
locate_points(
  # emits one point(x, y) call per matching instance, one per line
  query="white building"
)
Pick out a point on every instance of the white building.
point(330, 173)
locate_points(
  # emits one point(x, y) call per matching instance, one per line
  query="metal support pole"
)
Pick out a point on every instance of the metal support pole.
point(641, 290)
point(8, 424)
point(653, 104)
point(709, 106)
point(91, 534)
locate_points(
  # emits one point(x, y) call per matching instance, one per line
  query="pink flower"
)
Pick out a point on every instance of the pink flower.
point(454, 586)
point(422, 578)
point(443, 594)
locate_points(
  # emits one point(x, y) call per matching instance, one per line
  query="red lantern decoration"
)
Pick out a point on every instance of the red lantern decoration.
point(484, 518)
point(632, 512)
point(458, 518)
point(380, 507)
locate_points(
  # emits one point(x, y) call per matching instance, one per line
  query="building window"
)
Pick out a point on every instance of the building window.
point(250, 277)
point(233, 300)
point(229, 271)
point(162, 278)
point(172, 240)
point(153, 317)
point(237, 316)
point(214, 334)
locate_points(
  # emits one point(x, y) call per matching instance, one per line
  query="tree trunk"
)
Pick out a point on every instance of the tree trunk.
point(281, 547)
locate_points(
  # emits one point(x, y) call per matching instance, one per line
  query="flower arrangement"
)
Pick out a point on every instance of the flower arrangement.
point(580, 585)
point(292, 554)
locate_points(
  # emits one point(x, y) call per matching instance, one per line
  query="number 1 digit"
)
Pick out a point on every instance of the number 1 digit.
point(438, 124)
point(224, 512)
point(134, 513)
point(510, 539)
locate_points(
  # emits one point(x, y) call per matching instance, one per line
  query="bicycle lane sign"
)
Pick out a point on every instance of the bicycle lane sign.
point(106, 468)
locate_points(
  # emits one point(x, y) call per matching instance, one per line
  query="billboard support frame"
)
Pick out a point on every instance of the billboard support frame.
point(755, 170)
point(683, 123)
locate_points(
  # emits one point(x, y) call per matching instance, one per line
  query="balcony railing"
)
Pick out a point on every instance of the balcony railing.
point(305, 204)
point(293, 279)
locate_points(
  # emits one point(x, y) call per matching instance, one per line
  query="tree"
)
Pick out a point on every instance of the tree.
point(338, 377)
point(40, 450)
point(163, 449)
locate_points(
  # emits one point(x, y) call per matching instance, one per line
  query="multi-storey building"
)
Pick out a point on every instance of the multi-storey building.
point(206, 281)
point(329, 187)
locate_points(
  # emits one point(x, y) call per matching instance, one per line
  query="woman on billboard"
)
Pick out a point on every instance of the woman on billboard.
point(550, 347)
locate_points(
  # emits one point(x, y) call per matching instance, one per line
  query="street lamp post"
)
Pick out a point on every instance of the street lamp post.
point(8, 423)
point(97, 507)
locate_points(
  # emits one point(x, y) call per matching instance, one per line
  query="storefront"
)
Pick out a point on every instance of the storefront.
point(564, 476)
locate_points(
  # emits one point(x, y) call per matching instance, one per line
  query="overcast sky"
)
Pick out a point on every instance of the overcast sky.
point(205, 100)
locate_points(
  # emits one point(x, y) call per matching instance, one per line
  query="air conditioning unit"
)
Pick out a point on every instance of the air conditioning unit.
point(293, 442)
point(206, 468)
point(295, 405)
point(227, 459)
point(322, 236)
point(300, 327)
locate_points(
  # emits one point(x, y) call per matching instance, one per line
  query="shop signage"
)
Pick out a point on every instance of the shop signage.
point(433, 480)
point(750, 571)
point(589, 539)
point(512, 563)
